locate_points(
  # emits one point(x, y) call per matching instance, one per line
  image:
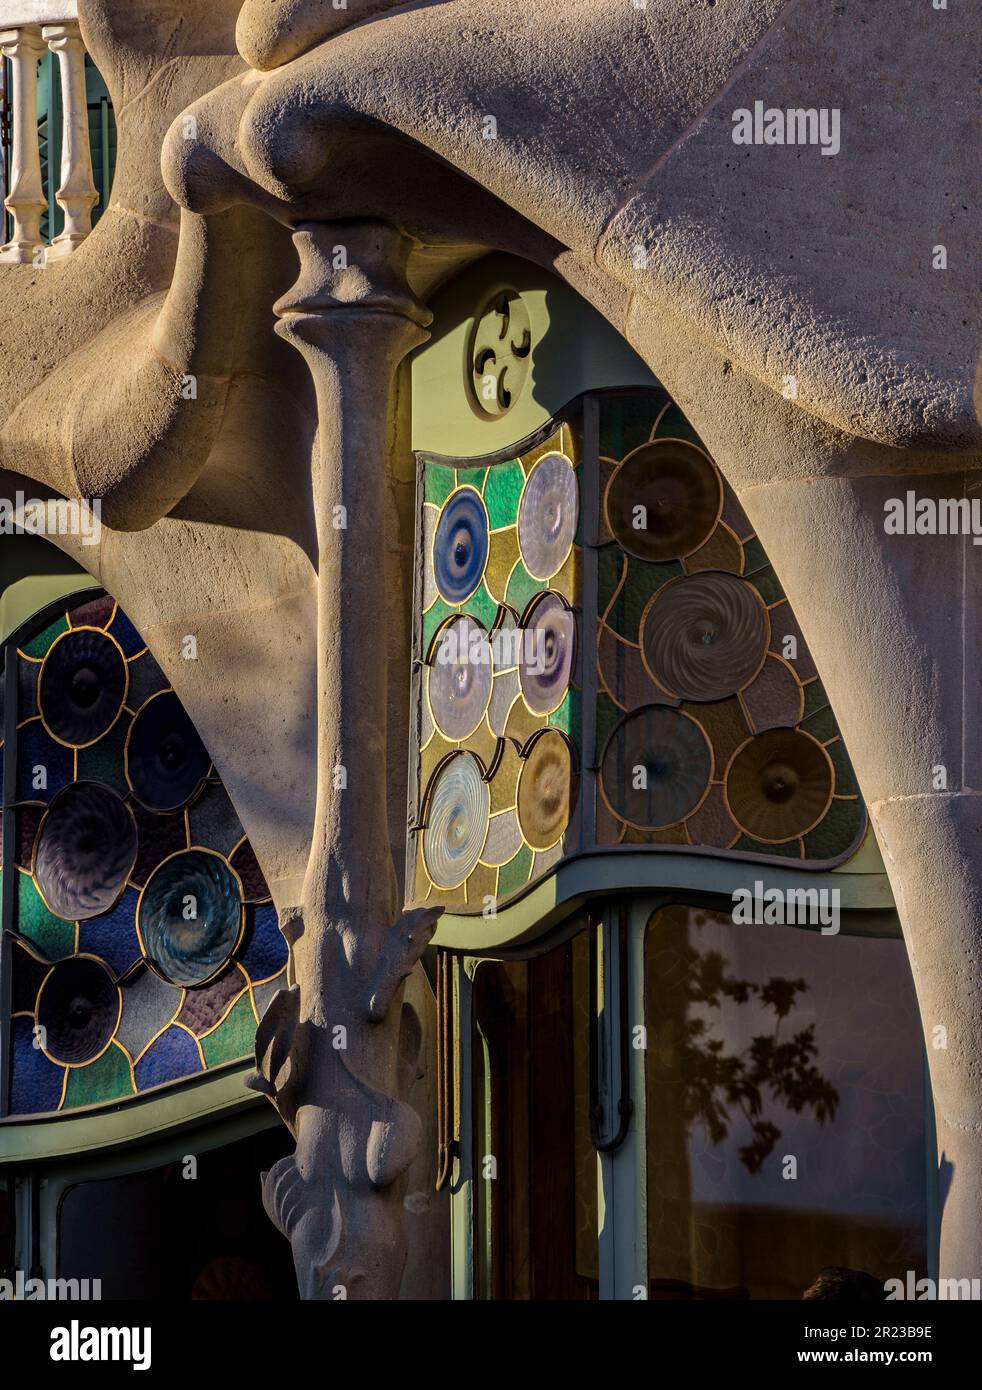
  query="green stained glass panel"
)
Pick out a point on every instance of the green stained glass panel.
point(103, 761)
point(845, 778)
point(626, 422)
point(815, 697)
point(502, 491)
point(839, 828)
point(567, 716)
point(482, 606)
point(766, 583)
point(38, 646)
point(53, 937)
point(107, 1078)
point(515, 874)
point(821, 724)
point(642, 581)
point(610, 567)
point(432, 619)
point(234, 1037)
point(440, 483)
point(754, 558)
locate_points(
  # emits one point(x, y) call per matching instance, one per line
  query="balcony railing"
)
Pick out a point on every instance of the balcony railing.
point(29, 29)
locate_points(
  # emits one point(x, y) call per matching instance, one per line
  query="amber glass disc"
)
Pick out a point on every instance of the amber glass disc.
point(779, 784)
point(680, 494)
point(546, 790)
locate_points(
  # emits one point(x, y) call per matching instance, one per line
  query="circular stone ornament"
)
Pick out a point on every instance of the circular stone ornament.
point(460, 546)
point(82, 686)
point(458, 809)
point(656, 768)
point(190, 917)
point(664, 500)
point(460, 678)
point(499, 353)
point(85, 851)
point(166, 762)
point(705, 637)
point(546, 790)
point(779, 785)
point(547, 653)
point(78, 1011)
point(548, 515)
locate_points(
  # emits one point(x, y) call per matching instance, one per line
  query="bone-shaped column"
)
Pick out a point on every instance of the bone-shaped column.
point(25, 202)
point(77, 194)
point(336, 1053)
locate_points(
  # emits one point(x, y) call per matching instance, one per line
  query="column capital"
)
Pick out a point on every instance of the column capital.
point(63, 35)
point(18, 43)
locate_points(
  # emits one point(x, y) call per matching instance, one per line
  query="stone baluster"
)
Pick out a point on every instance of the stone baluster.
point(77, 195)
point(25, 202)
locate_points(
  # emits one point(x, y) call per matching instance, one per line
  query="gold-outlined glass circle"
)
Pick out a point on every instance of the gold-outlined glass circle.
point(38, 834)
point(568, 526)
point(698, 684)
point(545, 811)
point(461, 597)
point(439, 675)
point(71, 632)
point(684, 489)
point(81, 955)
point(794, 761)
point(157, 810)
point(440, 819)
point(526, 676)
point(230, 956)
point(690, 802)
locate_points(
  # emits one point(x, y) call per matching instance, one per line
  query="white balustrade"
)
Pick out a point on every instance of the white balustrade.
point(28, 28)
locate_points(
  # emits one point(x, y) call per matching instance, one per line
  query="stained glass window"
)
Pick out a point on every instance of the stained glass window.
point(498, 688)
point(604, 656)
point(140, 942)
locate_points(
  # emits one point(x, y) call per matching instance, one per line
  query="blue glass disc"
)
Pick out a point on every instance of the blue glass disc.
point(190, 917)
point(460, 546)
point(166, 762)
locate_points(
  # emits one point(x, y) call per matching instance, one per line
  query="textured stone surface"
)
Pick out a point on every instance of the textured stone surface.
point(730, 269)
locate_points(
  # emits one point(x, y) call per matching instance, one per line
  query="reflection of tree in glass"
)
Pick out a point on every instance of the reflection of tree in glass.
point(714, 1080)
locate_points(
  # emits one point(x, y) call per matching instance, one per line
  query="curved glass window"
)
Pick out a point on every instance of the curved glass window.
point(140, 944)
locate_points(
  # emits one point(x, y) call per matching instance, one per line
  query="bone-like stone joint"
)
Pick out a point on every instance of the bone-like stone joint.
point(77, 195)
point(336, 1052)
point(25, 202)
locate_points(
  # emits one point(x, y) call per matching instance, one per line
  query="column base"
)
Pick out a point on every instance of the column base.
point(24, 253)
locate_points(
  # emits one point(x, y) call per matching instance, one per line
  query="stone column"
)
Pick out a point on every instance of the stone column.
point(25, 202)
point(77, 195)
point(337, 1052)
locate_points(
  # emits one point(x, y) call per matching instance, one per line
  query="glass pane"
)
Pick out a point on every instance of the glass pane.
point(159, 1235)
point(535, 1167)
point(785, 1108)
